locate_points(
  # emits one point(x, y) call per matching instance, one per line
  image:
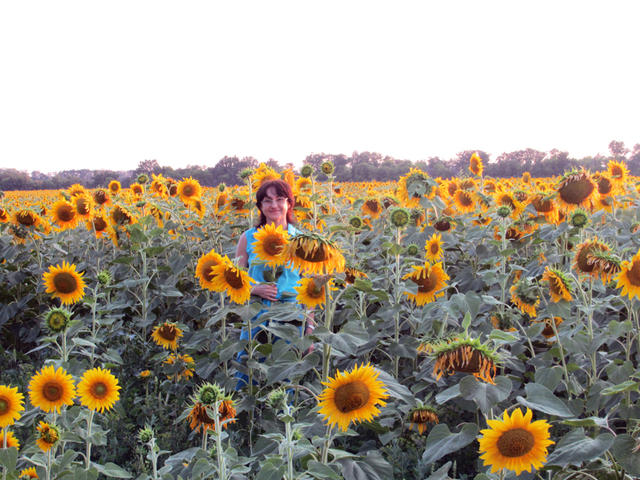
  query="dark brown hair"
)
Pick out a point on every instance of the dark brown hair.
point(282, 189)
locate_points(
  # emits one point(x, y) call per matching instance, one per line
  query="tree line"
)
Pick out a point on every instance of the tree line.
point(358, 167)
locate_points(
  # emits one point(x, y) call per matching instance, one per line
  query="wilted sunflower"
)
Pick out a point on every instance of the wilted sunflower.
point(583, 261)
point(12, 441)
point(415, 185)
point(606, 264)
point(189, 189)
point(204, 269)
point(576, 189)
point(475, 164)
point(433, 248)
point(119, 215)
point(270, 243)
point(64, 214)
point(98, 389)
point(50, 389)
point(10, 405)
point(313, 254)
point(559, 284)
point(83, 205)
point(525, 298)
point(371, 207)
point(351, 274)
point(430, 280)
point(515, 443)
point(465, 355)
point(232, 280)
point(421, 416)
point(48, 436)
point(311, 292)
point(27, 473)
point(548, 331)
point(167, 335)
point(4, 215)
point(199, 418)
point(64, 282)
point(629, 277)
point(352, 396)
point(184, 359)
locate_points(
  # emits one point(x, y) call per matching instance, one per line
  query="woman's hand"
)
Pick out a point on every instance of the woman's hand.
point(268, 291)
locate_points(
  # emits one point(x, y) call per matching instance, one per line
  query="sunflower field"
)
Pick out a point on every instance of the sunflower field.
point(445, 328)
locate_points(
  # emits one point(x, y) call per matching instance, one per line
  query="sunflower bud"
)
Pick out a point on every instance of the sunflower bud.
point(504, 211)
point(399, 217)
point(66, 196)
point(306, 171)
point(209, 393)
point(412, 250)
point(142, 178)
point(145, 435)
point(579, 218)
point(57, 320)
point(355, 222)
point(327, 167)
point(277, 399)
point(247, 172)
point(104, 277)
point(222, 187)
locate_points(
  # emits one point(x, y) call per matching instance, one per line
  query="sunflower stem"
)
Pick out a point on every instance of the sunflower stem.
point(88, 450)
point(564, 363)
point(204, 439)
point(222, 468)
point(48, 468)
point(289, 436)
point(396, 315)
point(326, 348)
point(5, 432)
point(328, 439)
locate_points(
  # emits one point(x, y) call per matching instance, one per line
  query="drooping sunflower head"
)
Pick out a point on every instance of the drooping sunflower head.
point(262, 175)
point(57, 320)
point(583, 260)
point(465, 355)
point(209, 393)
point(415, 185)
point(430, 279)
point(189, 189)
point(98, 389)
point(548, 331)
point(64, 282)
point(64, 214)
point(167, 335)
point(372, 207)
point(327, 167)
point(352, 396)
point(352, 273)
point(26, 218)
point(204, 269)
point(83, 205)
point(576, 189)
point(356, 222)
point(421, 416)
point(311, 291)
point(120, 215)
point(270, 243)
point(515, 442)
point(559, 284)
point(605, 263)
point(48, 436)
point(313, 254)
point(11, 404)
point(524, 295)
point(629, 277)
point(475, 164)
point(50, 389)
point(433, 248)
point(180, 366)
point(232, 280)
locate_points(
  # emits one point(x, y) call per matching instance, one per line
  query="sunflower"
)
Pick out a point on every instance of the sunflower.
point(12, 441)
point(187, 364)
point(26, 218)
point(167, 335)
point(629, 277)
point(544, 205)
point(4, 215)
point(204, 269)
point(465, 201)
point(189, 189)
point(352, 396)
point(101, 197)
point(76, 189)
point(465, 355)
point(57, 320)
point(262, 175)
point(136, 189)
point(27, 473)
point(199, 417)
point(119, 215)
point(415, 185)
point(515, 443)
point(50, 389)
point(523, 296)
point(311, 292)
point(64, 214)
point(159, 186)
point(10, 405)
point(83, 205)
point(430, 280)
point(475, 164)
point(576, 189)
point(618, 172)
point(98, 389)
point(313, 254)
point(559, 284)
point(548, 331)
point(232, 280)
point(606, 264)
point(371, 207)
point(433, 248)
point(64, 282)
point(114, 186)
point(270, 243)
point(351, 274)
point(48, 436)
point(421, 416)
point(583, 261)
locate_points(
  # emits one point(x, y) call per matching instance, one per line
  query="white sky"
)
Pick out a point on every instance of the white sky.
point(86, 84)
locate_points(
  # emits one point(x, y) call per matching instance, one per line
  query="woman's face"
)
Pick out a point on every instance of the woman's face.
point(275, 207)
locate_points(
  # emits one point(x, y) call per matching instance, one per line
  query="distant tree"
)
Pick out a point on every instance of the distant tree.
point(618, 150)
point(149, 167)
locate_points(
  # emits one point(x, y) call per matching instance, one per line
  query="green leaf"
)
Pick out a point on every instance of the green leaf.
point(200, 467)
point(466, 321)
point(575, 448)
point(320, 470)
point(586, 422)
point(549, 377)
point(542, 399)
point(441, 441)
point(9, 458)
point(624, 450)
point(269, 471)
point(448, 394)
point(484, 394)
point(442, 473)
point(112, 470)
point(628, 386)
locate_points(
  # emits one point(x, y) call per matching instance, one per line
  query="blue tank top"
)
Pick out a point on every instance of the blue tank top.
point(286, 282)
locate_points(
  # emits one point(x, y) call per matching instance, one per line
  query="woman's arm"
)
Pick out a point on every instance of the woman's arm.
point(241, 251)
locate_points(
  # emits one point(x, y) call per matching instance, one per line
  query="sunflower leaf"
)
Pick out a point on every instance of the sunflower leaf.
point(484, 394)
point(624, 450)
point(628, 386)
point(441, 441)
point(575, 448)
point(542, 399)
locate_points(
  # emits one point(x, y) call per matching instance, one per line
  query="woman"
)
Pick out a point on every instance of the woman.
point(275, 202)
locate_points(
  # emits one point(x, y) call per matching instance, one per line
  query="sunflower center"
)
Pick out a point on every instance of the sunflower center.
point(465, 199)
point(273, 246)
point(577, 191)
point(373, 205)
point(52, 391)
point(434, 248)
point(313, 290)
point(83, 206)
point(99, 390)
point(137, 189)
point(516, 442)
point(543, 206)
point(49, 436)
point(426, 284)
point(188, 190)
point(100, 197)
point(168, 332)
point(633, 275)
point(66, 213)
point(233, 278)
point(4, 406)
point(604, 186)
point(313, 256)
point(26, 218)
point(351, 396)
point(442, 225)
point(237, 204)
point(207, 269)
point(99, 224)
point(65, 282)
point(173, 189)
